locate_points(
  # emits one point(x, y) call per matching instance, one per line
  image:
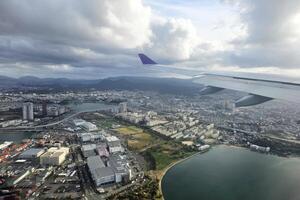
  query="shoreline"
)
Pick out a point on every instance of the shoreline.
point(172, 165)
point(202, 152)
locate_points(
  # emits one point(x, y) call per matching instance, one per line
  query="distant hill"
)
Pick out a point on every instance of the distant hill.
point(163, 85)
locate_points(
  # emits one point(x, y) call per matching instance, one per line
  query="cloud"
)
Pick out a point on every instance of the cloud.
point(100, 38)
point(173, 39)
point(101, 35)
point(272, 34)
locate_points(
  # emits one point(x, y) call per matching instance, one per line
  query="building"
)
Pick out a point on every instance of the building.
point(99, 172)
point(32, 153)
point(114, 144)
point(89, 126)
point(123, 107)
point(86, 125)
point(27, 111)
point(102, 151)
point(87, 137)
point(5, 145)
point(44, 108)
point(118, 165)
point(54, 156)
point(89, 150)
point(56, 110)
point(78, 122)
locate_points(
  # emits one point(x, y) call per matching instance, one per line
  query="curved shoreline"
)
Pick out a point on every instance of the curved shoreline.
point(201, 152)
point(172, 165)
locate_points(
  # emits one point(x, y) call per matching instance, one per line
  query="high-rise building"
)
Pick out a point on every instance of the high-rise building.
point(44, 108)
point(123, 107)
point(28, 111)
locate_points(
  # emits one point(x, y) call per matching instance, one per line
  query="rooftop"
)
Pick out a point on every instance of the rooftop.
point(95, 162)
point(112, 139)
point(88, 147)
point(103, 172)
point(32, 152)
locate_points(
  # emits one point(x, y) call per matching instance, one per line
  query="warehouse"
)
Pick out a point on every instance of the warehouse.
point(114, 144)
point(118, 165)
point(89, 150)
point(87, 137)
point(103, 176)
point(100, 173)
point(32, 153)
point(78, 122)
point(89, 126)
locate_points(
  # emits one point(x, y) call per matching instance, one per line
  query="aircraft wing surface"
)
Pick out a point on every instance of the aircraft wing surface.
point(259, 89)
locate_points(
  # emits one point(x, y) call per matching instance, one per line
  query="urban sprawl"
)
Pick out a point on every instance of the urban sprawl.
point(114, 144)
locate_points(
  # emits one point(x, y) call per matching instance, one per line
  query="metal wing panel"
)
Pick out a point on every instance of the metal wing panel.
point(277, 90)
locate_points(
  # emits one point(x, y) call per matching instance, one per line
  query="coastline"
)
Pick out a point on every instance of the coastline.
point(201, 152)
point(172, 165)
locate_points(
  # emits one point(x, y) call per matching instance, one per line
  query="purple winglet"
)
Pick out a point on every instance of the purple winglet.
point(146, 60)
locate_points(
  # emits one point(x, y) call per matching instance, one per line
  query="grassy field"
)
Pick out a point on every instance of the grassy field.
point(129, 130)
point(102, 121)
point(137, 139)
point(166, 153)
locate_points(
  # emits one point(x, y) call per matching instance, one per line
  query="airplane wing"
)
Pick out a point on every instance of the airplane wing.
point(259, 90)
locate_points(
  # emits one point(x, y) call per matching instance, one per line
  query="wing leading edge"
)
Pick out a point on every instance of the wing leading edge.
point(259, 90)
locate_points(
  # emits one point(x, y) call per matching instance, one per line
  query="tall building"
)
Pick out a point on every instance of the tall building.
point(28, 111)
point(44, 108)
point(123, 107)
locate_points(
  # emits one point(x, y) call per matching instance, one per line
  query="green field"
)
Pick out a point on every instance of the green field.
point(166, 153)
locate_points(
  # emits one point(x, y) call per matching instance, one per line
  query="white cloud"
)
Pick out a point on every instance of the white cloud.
point(173, 39)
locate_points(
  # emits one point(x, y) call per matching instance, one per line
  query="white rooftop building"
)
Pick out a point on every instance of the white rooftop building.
point(89, 126)
point(114, 144)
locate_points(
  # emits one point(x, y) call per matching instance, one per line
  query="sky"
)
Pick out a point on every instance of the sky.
point(94, 39)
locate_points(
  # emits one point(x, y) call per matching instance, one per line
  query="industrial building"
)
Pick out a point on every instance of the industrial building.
point(100, 173)
point(78, 122)
point(5, 145)
point(84, 124)
point(27, 111)
point(54, 156)
point(118, 165)
point(89, 150)
point(102, 151)
point(89, 126)
point(114, 144)
point(32, 153)
point(87, 137)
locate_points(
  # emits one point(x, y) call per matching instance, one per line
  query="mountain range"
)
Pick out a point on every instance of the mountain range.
point(163, 85)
